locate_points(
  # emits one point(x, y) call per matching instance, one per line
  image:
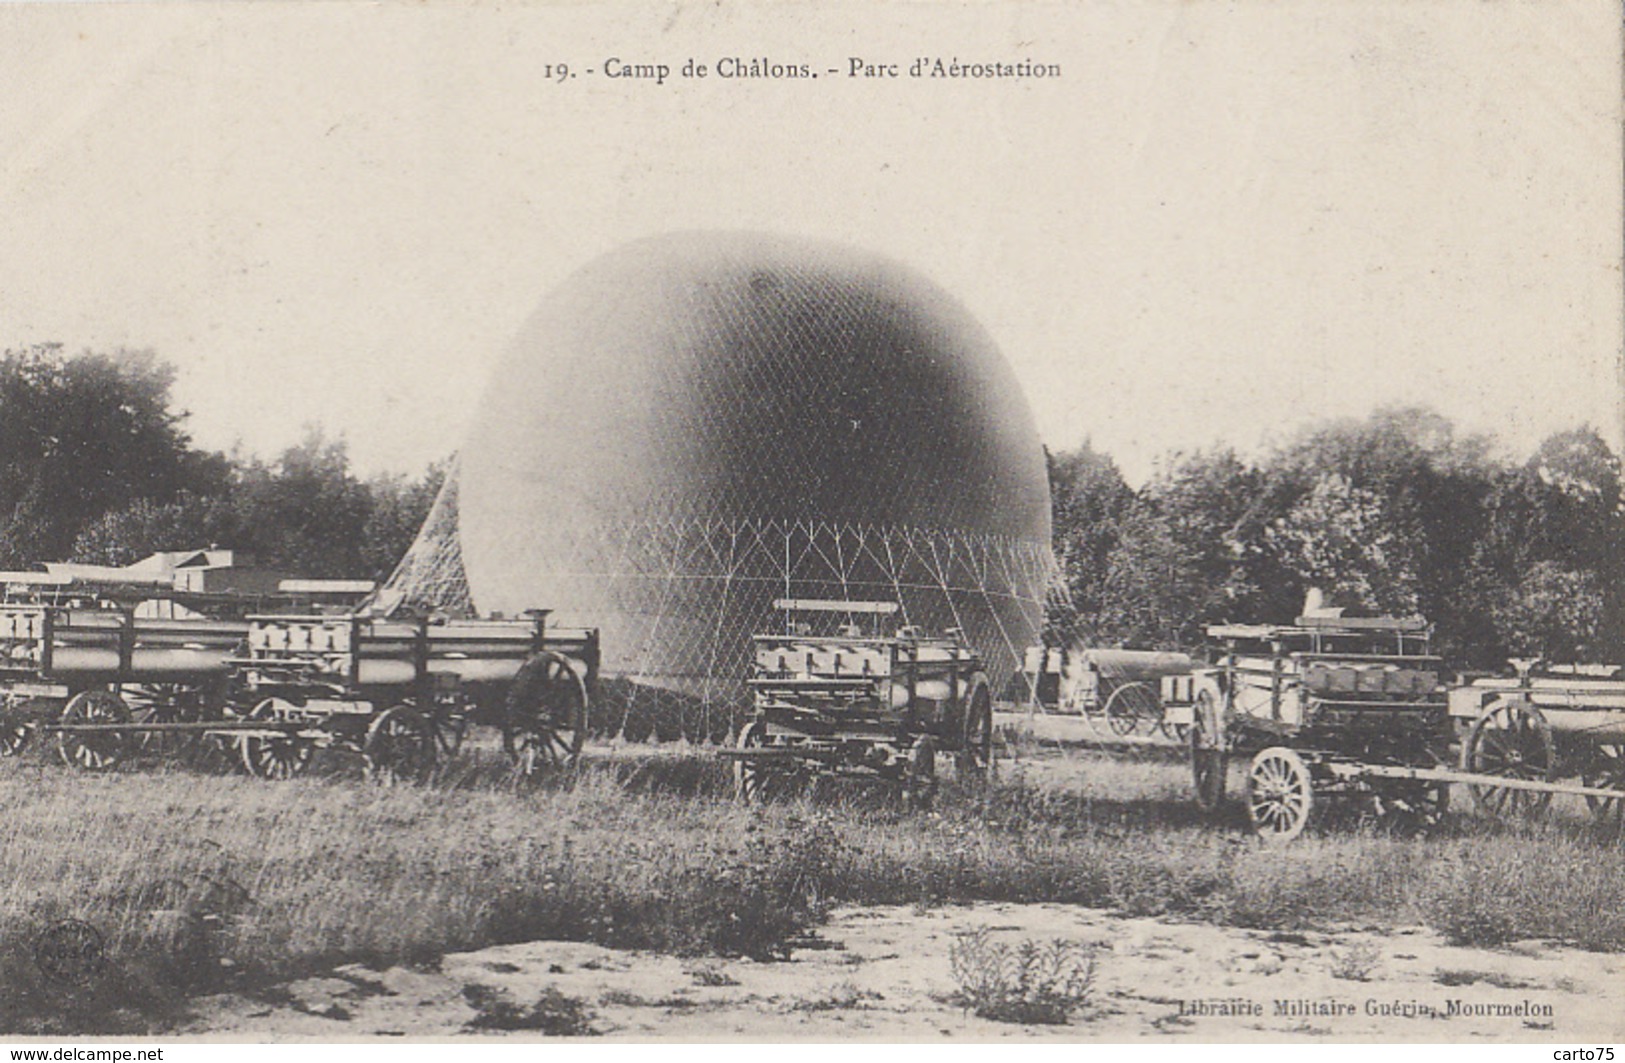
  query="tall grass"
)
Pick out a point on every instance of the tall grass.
point(202, 882)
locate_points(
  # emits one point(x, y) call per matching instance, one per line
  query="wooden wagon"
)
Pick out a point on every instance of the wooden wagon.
point(78, 654)
point(1546, 729)
point(1331, 710)
point(401, 692)
point(114, 671)
point(832, 700)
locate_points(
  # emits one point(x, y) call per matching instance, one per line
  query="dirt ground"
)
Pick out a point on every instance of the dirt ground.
point(884, 974)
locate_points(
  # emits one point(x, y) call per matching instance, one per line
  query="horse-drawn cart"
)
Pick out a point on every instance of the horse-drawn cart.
point(113, 671)
point(1336, 709)
point(401, 692)
point(832, 700)
point(1523, 735)
point(1332, 710)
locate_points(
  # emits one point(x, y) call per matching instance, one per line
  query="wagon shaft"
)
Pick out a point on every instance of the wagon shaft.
point(185, 727)
point(1447, 775)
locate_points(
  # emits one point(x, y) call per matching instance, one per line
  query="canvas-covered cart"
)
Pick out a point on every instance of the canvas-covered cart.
point(1129, 688)
point(832, 696)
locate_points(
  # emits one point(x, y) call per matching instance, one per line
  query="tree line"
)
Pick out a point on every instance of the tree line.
point(96, 466)
point(1396, 513)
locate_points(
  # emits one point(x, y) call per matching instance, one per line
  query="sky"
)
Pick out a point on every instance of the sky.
point(1221, 222)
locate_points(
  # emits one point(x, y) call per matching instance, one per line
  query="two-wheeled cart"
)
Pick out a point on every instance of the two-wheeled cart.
point(831, 699)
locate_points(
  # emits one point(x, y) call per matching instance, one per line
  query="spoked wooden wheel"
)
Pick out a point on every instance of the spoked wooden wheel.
point(1280, 794)
point(1513, 740)
point(1606, 770)
point(95, 750)
point(1409, 807)
point(15, 730)
point(1209, 763)
point(545, 720)
point(164, 703)
point(450, 728)
point(973, 763)
point(920, 774)
point(400, 746)
point(275, 756)
point(1128, 705)
point(755, 780)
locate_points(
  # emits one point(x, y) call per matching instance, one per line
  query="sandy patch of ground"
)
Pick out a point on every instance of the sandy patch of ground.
point(883, 973)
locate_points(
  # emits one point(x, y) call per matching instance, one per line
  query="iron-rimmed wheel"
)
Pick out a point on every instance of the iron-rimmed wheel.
point(165, 703)
point(753, 779)
point(451, 728)
point(1280, 794)
point(1128, 705)
point(1606, 770)
point(1513, 740)
point(920, 774)
point(99, 750)
point(275, 756)
point(545, 719)
point(400, 746)
point(1409, 806)
point(973, 762)
point(1209, 762)
point(15, 729)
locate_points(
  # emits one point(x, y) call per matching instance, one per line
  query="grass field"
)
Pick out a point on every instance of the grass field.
point(199, 882)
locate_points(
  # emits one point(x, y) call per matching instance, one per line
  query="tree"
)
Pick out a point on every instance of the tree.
point(1427, 486)
point(1153, 593)
point(1553, 613)
point(1342, 539)
point(1087, 498)
point(397, 508)
point(145, 527)
point(83, 435)
point(1217, 508)
point(304, 513)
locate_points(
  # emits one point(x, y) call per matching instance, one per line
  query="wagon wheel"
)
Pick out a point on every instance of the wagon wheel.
point(1606, 770)
point(1129, 704)
point(15, 730)
point(450, 728)
point(1209, 763)
point(1410, 806)
point(545, 720)
point(920, 774)
point(1513, 740)
point(164, 703)
point(973, 762)
point(1178, 732)
point(1280, 794)
point(100, 750)
point(400, 746)
point(755, 780)
point(275, 757)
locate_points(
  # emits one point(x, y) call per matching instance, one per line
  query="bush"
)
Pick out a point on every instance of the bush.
point(553, 1013)
point(1032, 983)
